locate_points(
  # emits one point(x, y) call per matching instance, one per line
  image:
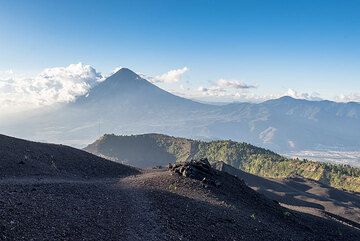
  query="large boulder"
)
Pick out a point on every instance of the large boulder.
point(196, 169)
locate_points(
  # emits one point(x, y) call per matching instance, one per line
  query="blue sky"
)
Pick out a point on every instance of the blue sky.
point(307, 46)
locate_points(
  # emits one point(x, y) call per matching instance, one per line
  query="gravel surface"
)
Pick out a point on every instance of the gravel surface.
point(21, 158)
point(154, 205)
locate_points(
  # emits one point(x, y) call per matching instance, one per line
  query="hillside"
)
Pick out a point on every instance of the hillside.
point(163, 204)
point(299, 193)
point(21, 158)
point(154, 149)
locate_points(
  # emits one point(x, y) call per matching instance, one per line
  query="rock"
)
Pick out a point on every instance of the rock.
point(197, 169)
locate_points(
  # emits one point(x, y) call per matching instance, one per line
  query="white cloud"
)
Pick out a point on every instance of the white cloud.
point(6, 74)
point(212, 91)
point(225, 88)
point(306, 96)
point(52, 85)
point(170, 76)
point(233, 84)
point(220, 92)
point(355, 97)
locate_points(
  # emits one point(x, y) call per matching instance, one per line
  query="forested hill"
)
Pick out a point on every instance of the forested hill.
point(150, 150)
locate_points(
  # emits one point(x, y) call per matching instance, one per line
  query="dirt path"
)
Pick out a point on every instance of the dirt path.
point(102, 209)
point(143, 222)
point(64, 209)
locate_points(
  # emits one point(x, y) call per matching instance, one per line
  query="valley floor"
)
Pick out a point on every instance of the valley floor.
point(351, 158)
point(154, 205)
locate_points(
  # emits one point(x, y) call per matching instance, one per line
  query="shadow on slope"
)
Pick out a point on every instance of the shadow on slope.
point(231, 211)
point(142, 151)
point(302, 192)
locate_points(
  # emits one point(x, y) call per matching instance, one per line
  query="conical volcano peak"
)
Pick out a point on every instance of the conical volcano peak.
point(125, 73)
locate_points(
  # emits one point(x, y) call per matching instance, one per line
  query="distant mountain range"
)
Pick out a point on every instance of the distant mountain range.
point(125, 103)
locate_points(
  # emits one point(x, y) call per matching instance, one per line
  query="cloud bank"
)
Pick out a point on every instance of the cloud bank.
point(52, 85)
point(231, 91)
point(352, 97)
point(306, 96)
point(6, 74)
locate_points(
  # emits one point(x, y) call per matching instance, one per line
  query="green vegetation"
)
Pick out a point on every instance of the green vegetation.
point(244, 156)
point(339, 176)
point(265, 163)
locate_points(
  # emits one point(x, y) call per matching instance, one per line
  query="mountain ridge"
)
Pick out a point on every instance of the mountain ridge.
point(125, 103)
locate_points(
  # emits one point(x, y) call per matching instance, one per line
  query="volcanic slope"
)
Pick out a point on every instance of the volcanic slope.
point(22, 158)
point(305, 195)
point(189, 201)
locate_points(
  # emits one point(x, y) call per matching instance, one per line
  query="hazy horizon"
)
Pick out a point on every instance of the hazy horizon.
point(232, 51)
point(65, 84)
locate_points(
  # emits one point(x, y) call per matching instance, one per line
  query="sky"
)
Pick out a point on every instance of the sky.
point(250, 50)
